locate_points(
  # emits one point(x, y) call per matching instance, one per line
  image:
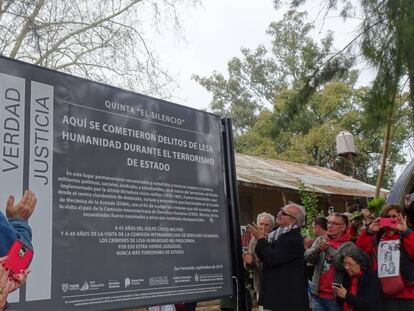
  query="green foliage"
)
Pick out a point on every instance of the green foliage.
point(309, 200)
point(386, 41)
point(310, 136)
point(375, 205)
point(290, 101)
point(255, 81)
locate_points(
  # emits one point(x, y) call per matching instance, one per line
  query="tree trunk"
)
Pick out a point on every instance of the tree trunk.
point(384, 157)
point(411, 96)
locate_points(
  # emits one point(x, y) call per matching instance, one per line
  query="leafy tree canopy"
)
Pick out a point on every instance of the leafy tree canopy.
point(294, 61)
point(291, 101)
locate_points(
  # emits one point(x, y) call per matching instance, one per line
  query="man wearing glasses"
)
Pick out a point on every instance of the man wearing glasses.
point(322, 254)
point(283, 281)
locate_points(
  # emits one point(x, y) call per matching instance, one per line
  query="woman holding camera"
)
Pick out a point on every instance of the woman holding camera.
point(398, 290)
point(360, 288)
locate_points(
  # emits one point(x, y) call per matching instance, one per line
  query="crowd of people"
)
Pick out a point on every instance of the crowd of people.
point(351, 265)
point(364, 267)
point(14, 227)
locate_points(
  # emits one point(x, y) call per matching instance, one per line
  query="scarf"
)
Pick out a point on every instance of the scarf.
point(275, 235)
point(352, 291)
point(336, 242)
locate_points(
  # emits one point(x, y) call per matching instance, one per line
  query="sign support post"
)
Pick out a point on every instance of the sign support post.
point(240, 303)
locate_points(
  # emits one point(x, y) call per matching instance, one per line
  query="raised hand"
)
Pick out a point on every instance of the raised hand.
point(374, 226)
point(256, 231)
point(24, 208)
point(402, 223)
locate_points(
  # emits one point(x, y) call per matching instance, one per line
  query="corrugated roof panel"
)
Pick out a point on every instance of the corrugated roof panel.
point(284, 174)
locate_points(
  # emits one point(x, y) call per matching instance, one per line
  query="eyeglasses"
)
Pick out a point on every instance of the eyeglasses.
point(349, 264)
point(283, 213)
point(335, 223)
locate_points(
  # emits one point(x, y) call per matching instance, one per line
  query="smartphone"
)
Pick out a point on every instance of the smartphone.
point(388, 222)
point(18, 257)
point(336, 285)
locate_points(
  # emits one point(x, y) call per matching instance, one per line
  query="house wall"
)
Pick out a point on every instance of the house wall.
point(254, 200)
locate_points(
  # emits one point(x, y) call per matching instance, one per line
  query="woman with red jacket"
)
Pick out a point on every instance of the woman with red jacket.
point(373, 235)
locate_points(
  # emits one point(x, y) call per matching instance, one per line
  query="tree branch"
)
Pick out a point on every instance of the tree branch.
point(25, 29)
point(84, 29)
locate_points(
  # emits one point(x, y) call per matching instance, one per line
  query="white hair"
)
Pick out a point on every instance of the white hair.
point(300, 215)
point(266, 215)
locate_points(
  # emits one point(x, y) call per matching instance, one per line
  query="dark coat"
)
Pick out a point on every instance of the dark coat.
point(368, 295)
point(284, 282)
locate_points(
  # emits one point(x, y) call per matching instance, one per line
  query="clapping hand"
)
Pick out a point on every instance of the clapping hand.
point(256, 231)
point(24, 208)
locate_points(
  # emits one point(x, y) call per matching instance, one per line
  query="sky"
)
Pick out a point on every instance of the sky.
point(216, 31)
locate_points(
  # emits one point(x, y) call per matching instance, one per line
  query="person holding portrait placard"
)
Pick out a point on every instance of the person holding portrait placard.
point(391, 248)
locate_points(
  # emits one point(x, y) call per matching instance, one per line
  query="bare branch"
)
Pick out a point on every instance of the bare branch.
point(25, 28)
point(72, 35)
point(85, 28)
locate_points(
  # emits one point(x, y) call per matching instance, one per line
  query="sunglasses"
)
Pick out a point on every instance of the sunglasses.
point(283, 213)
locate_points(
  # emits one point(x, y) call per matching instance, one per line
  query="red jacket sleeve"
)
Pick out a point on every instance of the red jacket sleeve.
point(365, 242)
point(408, 241)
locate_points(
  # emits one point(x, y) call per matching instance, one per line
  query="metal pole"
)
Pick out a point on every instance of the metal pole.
point(240, 301)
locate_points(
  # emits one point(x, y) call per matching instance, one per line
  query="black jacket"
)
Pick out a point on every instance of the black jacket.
point(368, 295)
point(283, 282)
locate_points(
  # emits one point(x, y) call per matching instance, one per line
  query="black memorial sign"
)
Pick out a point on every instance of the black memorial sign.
point(131, 211)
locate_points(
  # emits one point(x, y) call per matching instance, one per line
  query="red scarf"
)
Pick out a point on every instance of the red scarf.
point(352, 291)
point(336, 242)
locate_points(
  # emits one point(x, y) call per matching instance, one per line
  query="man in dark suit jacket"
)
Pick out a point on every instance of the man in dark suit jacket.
point(284, 283)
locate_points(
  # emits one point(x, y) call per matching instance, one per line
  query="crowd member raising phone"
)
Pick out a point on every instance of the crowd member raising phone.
point(8, 282)
point(16, 248)
point(390, 243)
